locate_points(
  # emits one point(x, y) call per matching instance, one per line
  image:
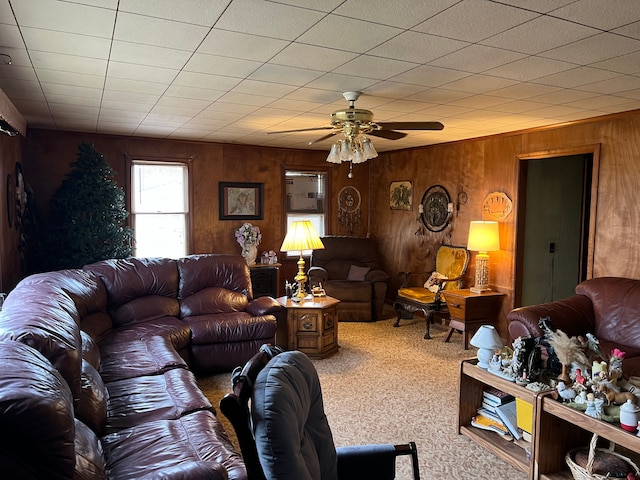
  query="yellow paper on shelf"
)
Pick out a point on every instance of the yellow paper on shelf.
point(486, 423)
point(524, 412)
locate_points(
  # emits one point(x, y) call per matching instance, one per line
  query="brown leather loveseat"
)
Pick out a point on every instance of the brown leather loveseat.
point(349, 270)
point(96, 377)
point(608, 307)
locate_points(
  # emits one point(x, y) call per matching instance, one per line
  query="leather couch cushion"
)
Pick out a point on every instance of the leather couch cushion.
point(171, 328)
point(168, 396)
point(90, 464)
point(90, 350)
point(198, 272)
point(151, 356)
point(148, 449)
point(45, 318)
point(92, 408)
point(230, 328)
point(37, 403)
point(213, 300)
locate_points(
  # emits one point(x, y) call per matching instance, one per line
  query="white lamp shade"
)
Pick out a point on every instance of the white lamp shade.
point(334, 154)
point(487, 337)
point(301, 236)
point(483, 237)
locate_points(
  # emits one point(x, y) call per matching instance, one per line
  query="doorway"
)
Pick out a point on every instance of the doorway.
point(556, 217)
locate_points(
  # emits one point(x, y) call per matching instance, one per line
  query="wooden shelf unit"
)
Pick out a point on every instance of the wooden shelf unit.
point(557, 428)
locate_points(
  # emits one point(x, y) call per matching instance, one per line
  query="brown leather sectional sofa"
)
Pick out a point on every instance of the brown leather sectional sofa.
point(608, 307)
point(96, 368)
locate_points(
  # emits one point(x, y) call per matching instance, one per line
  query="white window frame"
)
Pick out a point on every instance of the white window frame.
point(185, 211)
point(317, 216)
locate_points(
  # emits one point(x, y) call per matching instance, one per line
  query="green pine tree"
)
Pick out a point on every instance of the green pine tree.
point(87, 214)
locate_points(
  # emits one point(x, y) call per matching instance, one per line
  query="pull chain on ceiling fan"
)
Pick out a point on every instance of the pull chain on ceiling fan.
point(355, 124)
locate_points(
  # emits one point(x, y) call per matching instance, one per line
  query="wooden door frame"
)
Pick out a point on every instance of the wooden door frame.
point(594, 151)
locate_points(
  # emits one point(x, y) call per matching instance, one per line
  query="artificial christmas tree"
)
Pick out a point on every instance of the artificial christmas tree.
point(87, 214)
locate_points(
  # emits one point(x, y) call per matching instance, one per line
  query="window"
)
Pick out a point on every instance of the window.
point(160, 208)
point(305, 200)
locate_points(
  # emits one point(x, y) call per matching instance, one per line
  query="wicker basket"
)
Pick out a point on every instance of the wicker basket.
point(580, 473)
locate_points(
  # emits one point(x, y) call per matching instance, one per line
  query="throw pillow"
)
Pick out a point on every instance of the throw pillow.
point(432, 283)
point(357, 273)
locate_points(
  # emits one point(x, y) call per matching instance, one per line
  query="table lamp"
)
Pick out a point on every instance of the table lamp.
point(483, 237)
point(487, 340)
point(301, 236)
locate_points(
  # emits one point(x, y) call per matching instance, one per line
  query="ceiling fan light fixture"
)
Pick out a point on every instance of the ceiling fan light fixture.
point(346, 154)
point(334, 154)
point(367, 149)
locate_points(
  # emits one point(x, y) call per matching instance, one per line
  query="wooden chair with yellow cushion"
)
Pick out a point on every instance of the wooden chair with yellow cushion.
point(421, 292)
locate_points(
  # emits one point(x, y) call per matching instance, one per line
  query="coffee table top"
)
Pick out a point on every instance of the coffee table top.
point(308, 302)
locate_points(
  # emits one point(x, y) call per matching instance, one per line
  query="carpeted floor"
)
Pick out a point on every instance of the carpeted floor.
point(389, 385)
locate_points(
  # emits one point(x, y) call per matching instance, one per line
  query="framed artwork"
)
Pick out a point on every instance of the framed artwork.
point(435, 208)
point(401, 195)
point(241, 201)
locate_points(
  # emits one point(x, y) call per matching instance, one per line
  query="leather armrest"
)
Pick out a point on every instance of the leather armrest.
point(376, 276)
point(366, 461)
point(317, 274)
point(573, 315)
point(264, 306)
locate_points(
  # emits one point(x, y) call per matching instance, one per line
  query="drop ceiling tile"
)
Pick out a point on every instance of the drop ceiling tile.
point(194, 105)
point(68, 63)
point(59, 89)
point(241, 45)
point(224, 107)
point(613, 85)
point(600, 14)
point(133, 97)
point(562, 96)
point(121, 116)
point(33, 107)
point(480, 84)
point(598, 102)
point(16, 72)
point(195, 93)
point(153, 31)
point(294, 105)
point(430, 76)
point(312, 57)
point(594, 49)
point(635, 105)
point(541, 6)
point(530, 68)
point(197, 12)
point(282, 74)
point(65, 17)
point(518, 106)
point(320, 5)
point(124, 106)
point(154, 131)
point(525, 38)
point(375, 67)
point(393, 89)
point(67, 43)
point(126, 71)
point(417, 47)
point(74, 100)
point(554, 111)
point(70, 78)
point(6, 14)
point(575, 77)
point(154, 56)
point(10, 37)
point(268, 19)
point(477, 59)
point(629, 64)
point(341, 83)
point(399, 13)
point(217, 65)
point(439, 95)
point(62, 109)
point(474, 20)
point(21, 90)
point(440, 111)
point(632, 30)
point(123, 85)
point(343, 33)
point(205, 80)
point(246, 99)
point(523, 90)
point(480, 101)
point(268, 89)
point(167, 118)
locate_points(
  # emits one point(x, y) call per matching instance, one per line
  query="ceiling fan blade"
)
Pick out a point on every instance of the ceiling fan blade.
point(388, 134)
point(299, 130)
point(411, 125)
point(328, 135)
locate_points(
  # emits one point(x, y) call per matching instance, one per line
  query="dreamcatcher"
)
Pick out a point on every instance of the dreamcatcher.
point(349, 201)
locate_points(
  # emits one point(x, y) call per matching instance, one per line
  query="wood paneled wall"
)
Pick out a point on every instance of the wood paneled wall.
point(10, 262)
point(474, 167)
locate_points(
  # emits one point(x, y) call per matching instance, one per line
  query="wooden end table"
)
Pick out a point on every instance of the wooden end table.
point(469, 310)
point(312, 325)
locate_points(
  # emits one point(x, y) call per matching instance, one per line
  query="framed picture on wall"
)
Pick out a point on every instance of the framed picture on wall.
point(241, 201)
point(401, 195)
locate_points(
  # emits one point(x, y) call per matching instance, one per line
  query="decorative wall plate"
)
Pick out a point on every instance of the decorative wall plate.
point(497, 206)
point(434, 208)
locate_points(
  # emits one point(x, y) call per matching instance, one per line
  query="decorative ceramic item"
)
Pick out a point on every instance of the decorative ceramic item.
point(629, 416)
point(249, 238)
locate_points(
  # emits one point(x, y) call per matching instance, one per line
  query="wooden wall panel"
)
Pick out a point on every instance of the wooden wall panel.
point(10, 261)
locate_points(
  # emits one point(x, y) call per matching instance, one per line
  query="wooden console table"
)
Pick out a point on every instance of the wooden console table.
point(469, 310)
point(265, 279)
point(312, 325)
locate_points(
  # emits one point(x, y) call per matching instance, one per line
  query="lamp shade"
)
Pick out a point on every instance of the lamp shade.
point(483, 237)
point(301, 236)
point(487, 337)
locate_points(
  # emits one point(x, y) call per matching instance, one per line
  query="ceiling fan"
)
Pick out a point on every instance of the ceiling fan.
point(353, 122)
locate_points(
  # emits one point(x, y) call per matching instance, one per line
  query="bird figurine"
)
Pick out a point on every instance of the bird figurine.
point(579, 378)
point(566, 393)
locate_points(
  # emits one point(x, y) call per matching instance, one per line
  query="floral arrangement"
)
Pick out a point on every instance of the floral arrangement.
point(247, 235)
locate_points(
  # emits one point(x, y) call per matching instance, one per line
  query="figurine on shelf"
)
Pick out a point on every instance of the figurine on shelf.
point(594, 406)
point(566, 393)
point(615, 365)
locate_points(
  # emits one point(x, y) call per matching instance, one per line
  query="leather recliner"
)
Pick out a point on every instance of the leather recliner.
point(348, 269)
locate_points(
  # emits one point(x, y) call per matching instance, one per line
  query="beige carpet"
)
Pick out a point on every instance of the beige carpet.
point(389, 385)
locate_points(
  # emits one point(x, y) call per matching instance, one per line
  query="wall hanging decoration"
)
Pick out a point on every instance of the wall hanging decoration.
point(349, 201)
point(497, 206)
point(401, 195)
point(11, 202)
point(435, 208)
point(240, 201)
